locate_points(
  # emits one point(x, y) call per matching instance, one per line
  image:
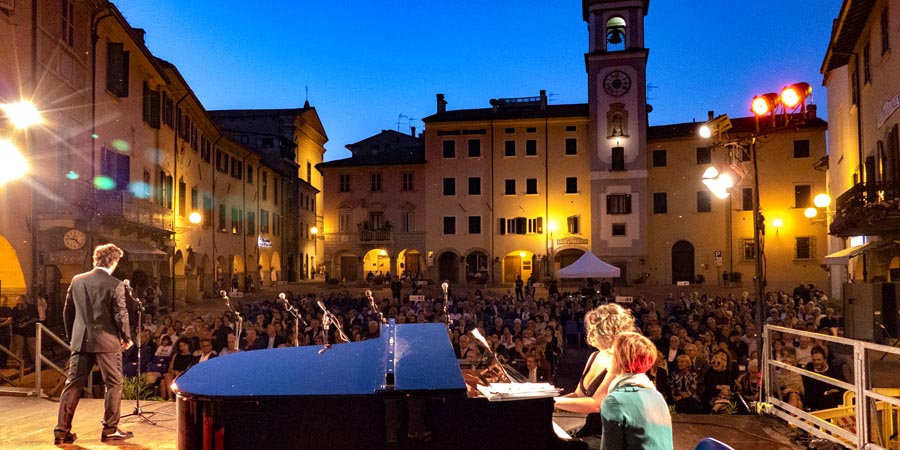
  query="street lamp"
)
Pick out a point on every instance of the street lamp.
point(195, 218)
point(792, 98)
point(315, 233)
point(22, 114)
point(551, 227)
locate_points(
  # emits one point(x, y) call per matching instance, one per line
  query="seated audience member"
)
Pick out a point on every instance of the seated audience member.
point(659, 375)
point(181, 361)
point(252, 341)
point(747, 383)
point(819, 394)
point(789, 384)
point(635, 415)
point(683, 383)
point(717, 384)
point(205, 352)
point(230, 345)
point(534, 371)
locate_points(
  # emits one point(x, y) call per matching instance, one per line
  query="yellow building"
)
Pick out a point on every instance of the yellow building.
point(375, 211)
point(696, 236)
point(513, 187)
point(127, 154)
point(862, 78)
point(507, 188)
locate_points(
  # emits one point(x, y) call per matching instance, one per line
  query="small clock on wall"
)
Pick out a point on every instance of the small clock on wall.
point(74, 239)
point(616, 83)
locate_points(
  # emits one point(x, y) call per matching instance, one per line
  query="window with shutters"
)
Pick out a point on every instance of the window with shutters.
point(117, 167)
point(804, 247)
point(618, 204)
point(151, 107)
point(117, 59)
point(573, 224)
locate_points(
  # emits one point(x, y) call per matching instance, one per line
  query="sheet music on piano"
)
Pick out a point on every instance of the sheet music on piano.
point(509, 391)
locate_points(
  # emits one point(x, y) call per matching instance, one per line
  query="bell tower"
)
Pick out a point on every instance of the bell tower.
point(616, 64)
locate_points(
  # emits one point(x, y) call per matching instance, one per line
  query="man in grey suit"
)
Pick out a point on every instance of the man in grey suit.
point(96, 322)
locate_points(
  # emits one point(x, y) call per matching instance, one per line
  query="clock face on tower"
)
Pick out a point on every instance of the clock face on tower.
point(617, 83)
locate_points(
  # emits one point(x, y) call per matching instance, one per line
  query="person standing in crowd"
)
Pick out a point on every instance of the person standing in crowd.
point(520, 293)
point(25, 318)
point(603, 323)
point(96, 321)
point(635, 415)
point(6, 320)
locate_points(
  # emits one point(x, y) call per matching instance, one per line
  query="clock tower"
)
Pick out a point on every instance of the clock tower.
point(616, 64)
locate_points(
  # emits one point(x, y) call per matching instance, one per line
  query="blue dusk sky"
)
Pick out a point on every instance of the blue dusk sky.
point(369, 64)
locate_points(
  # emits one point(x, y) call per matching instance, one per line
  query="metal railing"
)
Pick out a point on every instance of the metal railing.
point(20, 362)
point(41, 359)
point(873, 426)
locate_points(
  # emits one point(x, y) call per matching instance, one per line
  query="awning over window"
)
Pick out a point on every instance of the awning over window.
point(842, 257)
point(140, 251)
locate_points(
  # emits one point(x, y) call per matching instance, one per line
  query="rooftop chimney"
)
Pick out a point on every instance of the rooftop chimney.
point(710, 115)
point(543, 99)
point(441, 104)
point(139, 34)
point(412, 131)
point(810, 112)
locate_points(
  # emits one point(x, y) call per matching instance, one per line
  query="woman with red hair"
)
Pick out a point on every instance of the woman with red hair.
point(635, 414)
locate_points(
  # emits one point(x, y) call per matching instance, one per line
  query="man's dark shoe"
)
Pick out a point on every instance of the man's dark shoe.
point(115, 435)
point(63, 437)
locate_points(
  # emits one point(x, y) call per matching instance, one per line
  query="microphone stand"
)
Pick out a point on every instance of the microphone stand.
point(239, 321)
point(139, 309)
point(328, 319)
point(446, 286)
point(297, 318)
point(375, 307)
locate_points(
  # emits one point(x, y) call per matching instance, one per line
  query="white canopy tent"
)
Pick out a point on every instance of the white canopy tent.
point(588, 266)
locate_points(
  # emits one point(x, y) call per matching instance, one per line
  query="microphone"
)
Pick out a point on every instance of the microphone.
point(283, 299)
point(322, 306)
point(126, 283)
point(444, 287)
point(223, 294)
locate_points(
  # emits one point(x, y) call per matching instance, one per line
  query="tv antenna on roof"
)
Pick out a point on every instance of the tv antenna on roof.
point(400, 120)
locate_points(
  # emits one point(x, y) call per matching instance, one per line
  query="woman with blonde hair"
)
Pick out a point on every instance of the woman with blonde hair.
point(602, 323)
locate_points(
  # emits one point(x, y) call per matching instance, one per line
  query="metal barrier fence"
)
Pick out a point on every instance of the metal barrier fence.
point(876, 425)
point(41, 359)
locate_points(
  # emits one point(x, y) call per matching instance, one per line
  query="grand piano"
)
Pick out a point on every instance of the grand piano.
point(336, 398)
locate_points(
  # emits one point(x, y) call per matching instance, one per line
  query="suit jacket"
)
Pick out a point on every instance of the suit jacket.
point(95, 315)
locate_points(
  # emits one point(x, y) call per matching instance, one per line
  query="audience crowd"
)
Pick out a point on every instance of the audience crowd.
point(707, 356)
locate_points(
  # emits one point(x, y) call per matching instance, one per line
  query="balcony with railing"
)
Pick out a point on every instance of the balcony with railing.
point(125, 207)
point(867, 209)
point(376, 236)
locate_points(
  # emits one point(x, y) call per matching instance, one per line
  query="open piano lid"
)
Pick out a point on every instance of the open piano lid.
point(406, 358)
